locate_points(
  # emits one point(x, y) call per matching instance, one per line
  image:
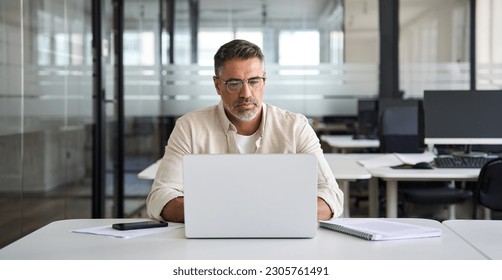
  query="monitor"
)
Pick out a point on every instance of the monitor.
point(463, 117)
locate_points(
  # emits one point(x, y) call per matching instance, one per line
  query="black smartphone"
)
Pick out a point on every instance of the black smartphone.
point(139, 225)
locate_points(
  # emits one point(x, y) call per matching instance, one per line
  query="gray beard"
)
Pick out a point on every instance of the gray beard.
point(246, 115)
point(243, 116)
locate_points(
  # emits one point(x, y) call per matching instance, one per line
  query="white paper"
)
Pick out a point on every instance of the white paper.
point(387, 160)
point(416, 158)
point(396, 159)
point(111, 232)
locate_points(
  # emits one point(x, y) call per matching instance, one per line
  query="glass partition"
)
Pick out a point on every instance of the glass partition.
point(433, 46)
point(45, 114)
point(141, 102)
point(489, 44)
point(307, 71)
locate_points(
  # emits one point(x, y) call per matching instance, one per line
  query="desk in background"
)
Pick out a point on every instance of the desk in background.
point(393, 176)
point(55, 241)
point(346, 166)
point(346, 169)
point(149, 172)
point(484, 235)
point(345, 143)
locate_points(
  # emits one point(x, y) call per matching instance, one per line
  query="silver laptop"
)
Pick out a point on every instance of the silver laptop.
point(250, 195)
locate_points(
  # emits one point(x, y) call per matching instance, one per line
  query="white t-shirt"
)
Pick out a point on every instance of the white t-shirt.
point(246, 144)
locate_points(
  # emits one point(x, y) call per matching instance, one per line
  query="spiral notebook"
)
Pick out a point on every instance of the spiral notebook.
point(379, 229)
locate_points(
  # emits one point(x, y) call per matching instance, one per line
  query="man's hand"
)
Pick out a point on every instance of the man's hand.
point(323, 210)
point(174, 211)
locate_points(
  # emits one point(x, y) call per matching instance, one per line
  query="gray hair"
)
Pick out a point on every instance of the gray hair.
point(241, 49)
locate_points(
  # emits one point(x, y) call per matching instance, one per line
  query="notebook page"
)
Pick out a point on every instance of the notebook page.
point(381, 229)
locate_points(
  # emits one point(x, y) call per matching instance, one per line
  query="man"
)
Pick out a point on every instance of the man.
point(240, 123)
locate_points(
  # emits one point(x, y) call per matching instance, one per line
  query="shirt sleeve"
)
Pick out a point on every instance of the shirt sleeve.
point(327, 187)
point(167, 184)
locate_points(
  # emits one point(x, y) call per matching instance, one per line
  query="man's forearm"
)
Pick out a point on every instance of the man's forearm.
point(174, 211)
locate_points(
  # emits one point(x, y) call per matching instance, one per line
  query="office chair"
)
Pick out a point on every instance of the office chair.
point(488, 189)
point(401, 132)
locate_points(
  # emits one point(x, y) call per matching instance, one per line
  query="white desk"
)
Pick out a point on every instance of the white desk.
point(484, 235)
point(149, 172)
point(344, 167)
point(56, 242)
point(346, 170)
point(345, 143)
point(392, 176)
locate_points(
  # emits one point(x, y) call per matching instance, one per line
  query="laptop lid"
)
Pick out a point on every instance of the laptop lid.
point(250, 195)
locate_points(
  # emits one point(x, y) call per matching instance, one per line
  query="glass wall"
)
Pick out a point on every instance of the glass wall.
point(46, 110)
point(433, 46)
point(141, 101)
point(307, 71)
point(489, 44)
point(45, 114)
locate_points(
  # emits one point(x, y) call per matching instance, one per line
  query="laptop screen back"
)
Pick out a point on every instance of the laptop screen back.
point(250, 195)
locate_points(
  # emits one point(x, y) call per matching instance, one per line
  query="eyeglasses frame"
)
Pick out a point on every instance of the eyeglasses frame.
point(241, 82)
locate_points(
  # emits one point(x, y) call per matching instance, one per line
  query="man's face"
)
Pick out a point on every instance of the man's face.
point(246, 104)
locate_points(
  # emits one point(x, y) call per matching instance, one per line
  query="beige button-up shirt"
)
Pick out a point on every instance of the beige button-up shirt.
point(209, 131)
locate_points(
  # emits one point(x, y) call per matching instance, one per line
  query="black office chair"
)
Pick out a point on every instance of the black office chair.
point(488, 190)
point(401, 132)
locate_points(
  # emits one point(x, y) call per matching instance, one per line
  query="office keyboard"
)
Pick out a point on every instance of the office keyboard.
point(460, 162)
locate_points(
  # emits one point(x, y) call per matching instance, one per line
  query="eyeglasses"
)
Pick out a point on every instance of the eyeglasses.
point(235, 85)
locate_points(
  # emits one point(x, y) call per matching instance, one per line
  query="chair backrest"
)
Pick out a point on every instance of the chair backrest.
point(400, 130)
point(488, 191)
point(367, 117)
